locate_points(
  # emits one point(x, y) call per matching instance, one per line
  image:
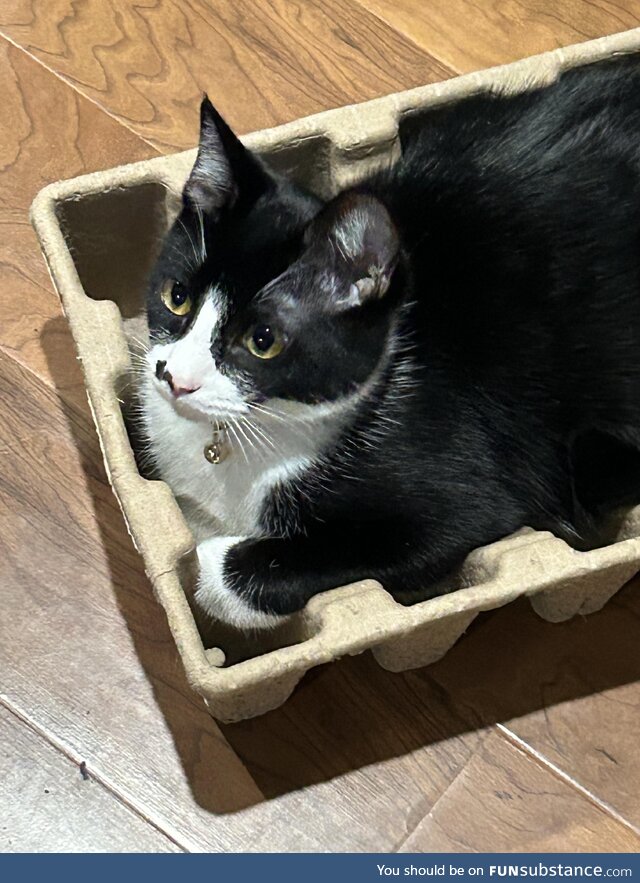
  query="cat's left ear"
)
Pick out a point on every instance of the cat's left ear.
point(364, 246)
point(225, 172)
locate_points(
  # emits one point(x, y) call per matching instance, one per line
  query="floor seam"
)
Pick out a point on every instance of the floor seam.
point(75, 758)
point(464, 766)
point(544, 762)
point(76, 88)
point(444, 64)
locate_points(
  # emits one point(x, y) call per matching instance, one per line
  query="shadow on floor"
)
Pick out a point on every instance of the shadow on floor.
point(352, 713)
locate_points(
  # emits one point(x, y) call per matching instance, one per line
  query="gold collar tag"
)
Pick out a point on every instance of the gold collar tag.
point(217, 449)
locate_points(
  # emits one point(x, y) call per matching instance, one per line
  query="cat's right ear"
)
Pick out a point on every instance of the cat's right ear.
point(225, 172)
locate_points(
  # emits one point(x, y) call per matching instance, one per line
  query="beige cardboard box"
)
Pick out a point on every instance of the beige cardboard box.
point(99, 234)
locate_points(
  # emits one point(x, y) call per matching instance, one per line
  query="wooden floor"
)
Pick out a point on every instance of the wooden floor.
point(524, 738)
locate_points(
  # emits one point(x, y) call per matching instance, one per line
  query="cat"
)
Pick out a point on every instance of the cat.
point(396, 376)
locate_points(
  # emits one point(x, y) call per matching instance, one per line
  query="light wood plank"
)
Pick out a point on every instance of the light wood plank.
point(46, 805)
point(468, 36)
point(503, 801)
point(261, 62)
point(47, 132)
point(400, 731)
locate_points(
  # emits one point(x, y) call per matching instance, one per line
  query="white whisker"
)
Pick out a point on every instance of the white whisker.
point(287, 420)
point(190, 238)
point(260, 438)
point(232, 429)
point(241, 431)
point(203, 245)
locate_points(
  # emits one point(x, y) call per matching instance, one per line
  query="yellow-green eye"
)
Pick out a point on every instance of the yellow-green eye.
point(176, 298)
point(264, 341)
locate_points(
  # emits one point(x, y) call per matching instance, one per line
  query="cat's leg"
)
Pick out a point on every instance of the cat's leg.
point(254, 583)
point(225, 594)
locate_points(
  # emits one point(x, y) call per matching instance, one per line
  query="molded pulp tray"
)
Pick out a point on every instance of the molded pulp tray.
point(99, 233)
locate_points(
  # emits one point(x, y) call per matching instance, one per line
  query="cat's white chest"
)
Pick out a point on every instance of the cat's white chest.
point(226, 498)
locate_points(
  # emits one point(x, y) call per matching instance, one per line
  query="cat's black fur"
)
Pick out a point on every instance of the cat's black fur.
point(509, 233)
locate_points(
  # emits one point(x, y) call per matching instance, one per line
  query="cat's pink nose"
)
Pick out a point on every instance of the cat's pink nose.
point(182, 390)
point(176, 387)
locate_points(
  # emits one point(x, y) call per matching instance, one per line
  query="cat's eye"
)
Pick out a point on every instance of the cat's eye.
point(176, 298)
point(264, 341)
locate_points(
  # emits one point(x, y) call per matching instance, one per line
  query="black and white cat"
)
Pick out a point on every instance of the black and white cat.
point(399, 376)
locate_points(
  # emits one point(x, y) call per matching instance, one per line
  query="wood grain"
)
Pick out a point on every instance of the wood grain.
point(47, 805)
point(570, 691)
point(504, 802)
point(261, 62)
point(47, 132)
point(353, 715)
point(594, 738)
point(468, 36)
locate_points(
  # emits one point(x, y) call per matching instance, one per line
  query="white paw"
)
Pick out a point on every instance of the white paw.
point(214, 595)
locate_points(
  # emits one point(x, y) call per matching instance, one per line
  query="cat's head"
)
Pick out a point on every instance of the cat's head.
point(261, 293)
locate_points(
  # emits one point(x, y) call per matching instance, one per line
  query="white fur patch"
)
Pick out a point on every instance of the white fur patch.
point(216, 597)
point(190, 363)
point(227, 499)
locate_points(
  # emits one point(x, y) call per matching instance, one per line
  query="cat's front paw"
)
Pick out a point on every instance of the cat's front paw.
point(228, 597)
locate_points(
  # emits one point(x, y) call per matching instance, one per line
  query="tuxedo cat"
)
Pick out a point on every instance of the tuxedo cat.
point(373, 387)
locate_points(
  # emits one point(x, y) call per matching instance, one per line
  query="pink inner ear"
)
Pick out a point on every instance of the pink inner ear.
point(365, 287)
point(367, 238)
point(373, 286)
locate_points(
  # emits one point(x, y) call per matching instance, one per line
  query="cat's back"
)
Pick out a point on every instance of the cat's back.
point(510, 193)
point(521, 216)
point(591, 112)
